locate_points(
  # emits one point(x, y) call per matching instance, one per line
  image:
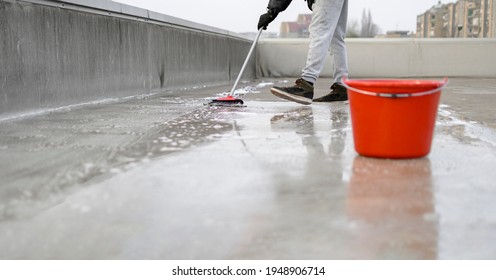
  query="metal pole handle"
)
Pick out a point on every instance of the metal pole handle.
point(246, 62)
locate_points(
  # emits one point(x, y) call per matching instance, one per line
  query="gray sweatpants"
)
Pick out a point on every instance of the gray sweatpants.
point(327, 32)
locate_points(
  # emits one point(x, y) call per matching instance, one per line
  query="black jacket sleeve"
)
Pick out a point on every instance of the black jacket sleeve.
point(277, 6)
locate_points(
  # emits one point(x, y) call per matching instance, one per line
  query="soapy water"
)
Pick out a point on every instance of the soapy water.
point(245, 90)
point(467, 131)
point(78, 149)
point(180, 133)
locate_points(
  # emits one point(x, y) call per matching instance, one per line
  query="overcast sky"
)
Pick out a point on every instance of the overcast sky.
point(242, 15)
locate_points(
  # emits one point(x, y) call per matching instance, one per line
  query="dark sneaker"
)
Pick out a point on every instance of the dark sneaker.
point(301, 92)
point(338, 93)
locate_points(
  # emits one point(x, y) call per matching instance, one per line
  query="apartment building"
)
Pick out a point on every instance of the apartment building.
point(296, 29)
point(463, 19)
point(489, 18)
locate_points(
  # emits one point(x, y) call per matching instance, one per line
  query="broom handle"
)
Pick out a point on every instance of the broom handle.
point(246, 62)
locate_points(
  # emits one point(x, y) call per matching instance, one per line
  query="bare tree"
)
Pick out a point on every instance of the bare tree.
point(353, 29)
point(368, 29)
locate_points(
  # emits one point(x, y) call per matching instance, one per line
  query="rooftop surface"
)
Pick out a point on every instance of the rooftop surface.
point(166, 177)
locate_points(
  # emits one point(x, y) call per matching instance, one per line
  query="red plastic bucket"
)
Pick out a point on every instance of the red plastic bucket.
point(393, 118)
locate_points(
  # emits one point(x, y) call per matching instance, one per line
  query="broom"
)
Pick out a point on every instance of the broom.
point(231, 99)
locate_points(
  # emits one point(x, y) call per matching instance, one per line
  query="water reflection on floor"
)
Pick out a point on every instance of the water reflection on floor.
point(273, 180)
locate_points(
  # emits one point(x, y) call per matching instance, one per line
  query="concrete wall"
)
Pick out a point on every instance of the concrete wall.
point(386, 58)
point(56, 53)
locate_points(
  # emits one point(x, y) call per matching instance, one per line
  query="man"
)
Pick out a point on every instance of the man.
point(327, 30)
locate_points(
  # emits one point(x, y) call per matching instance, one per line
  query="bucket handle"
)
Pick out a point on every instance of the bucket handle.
point(394, 95)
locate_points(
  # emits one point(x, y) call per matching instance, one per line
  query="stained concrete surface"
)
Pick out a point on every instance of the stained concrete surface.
point(165, 177)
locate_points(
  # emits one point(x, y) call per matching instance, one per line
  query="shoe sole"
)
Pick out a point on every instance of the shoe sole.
point(291, 97)
point(326, 97)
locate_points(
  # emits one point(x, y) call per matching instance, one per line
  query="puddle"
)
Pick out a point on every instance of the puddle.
point(466, 131)
point(68, 151)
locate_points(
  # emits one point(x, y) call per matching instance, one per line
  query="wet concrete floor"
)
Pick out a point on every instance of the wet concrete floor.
point(165, 177)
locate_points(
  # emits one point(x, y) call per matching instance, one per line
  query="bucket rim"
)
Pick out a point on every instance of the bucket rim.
point(441, 85)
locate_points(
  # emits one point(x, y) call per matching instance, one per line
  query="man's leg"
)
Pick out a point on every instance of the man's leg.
point(338, 47)
point(325, 18)
point(339, 56)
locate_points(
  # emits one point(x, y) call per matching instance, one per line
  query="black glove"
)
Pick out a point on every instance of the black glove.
point(310, 4)
point(273, 9)
point(265, 19)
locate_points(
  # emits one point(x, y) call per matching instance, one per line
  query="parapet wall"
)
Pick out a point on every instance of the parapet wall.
point(57, 53)
point(386, 58)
